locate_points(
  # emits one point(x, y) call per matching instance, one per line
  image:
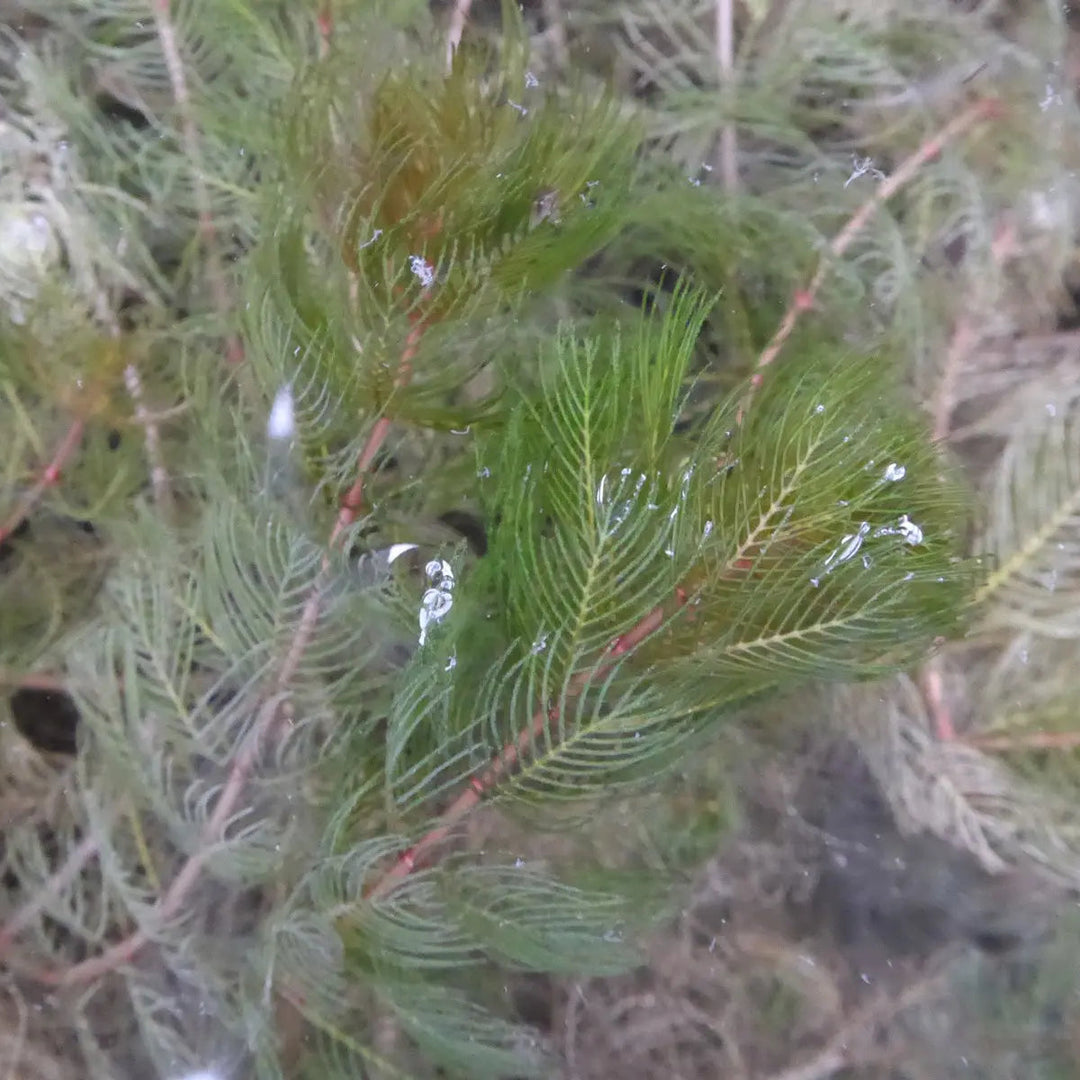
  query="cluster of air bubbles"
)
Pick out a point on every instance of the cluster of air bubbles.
point(863, 167)
point(894, 472)
point(438, 599)
point(905, 528)
point(852, 544)
point(684, 492)
point(615, 497)
point(422, 269)
point(540, 644)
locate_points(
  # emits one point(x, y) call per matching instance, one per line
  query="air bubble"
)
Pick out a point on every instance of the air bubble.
point(911, 532)
point(422, 269)
point(437, 601)
point(281, 425)
point(849, 547)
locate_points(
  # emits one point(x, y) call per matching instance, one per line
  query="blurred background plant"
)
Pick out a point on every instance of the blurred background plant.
point(293, 298)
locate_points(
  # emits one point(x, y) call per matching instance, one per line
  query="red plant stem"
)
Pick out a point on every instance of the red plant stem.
point(33, 680)
point(272, 717)
point(1032, 740)
point(481, 786)
point(905, 172)
point(967, 335)
point(325, 21)
point(933, 690)
point(459, 15)
point(50, 477)
point(174, 65)
point(354, 497)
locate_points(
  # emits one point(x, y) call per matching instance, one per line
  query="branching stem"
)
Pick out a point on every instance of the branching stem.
point(905, 172)
point(275, 713)
point(459, 15)
point(49, 477)
point(481, 786)
point(159, 477)
point(967, 335)
point(189, 132)
point(728, 151)
point(513, 753)
point(32, 680)
point(1023, 741)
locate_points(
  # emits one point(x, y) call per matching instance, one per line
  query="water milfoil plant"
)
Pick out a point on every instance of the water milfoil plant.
point(411, 520)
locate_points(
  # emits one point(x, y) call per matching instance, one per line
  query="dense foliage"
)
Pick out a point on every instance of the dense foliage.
point(408, 462)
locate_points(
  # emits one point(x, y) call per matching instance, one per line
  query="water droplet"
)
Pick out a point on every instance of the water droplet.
point(819, 409)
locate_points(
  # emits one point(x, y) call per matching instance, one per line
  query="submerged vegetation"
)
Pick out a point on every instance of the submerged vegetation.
point(499, 503)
